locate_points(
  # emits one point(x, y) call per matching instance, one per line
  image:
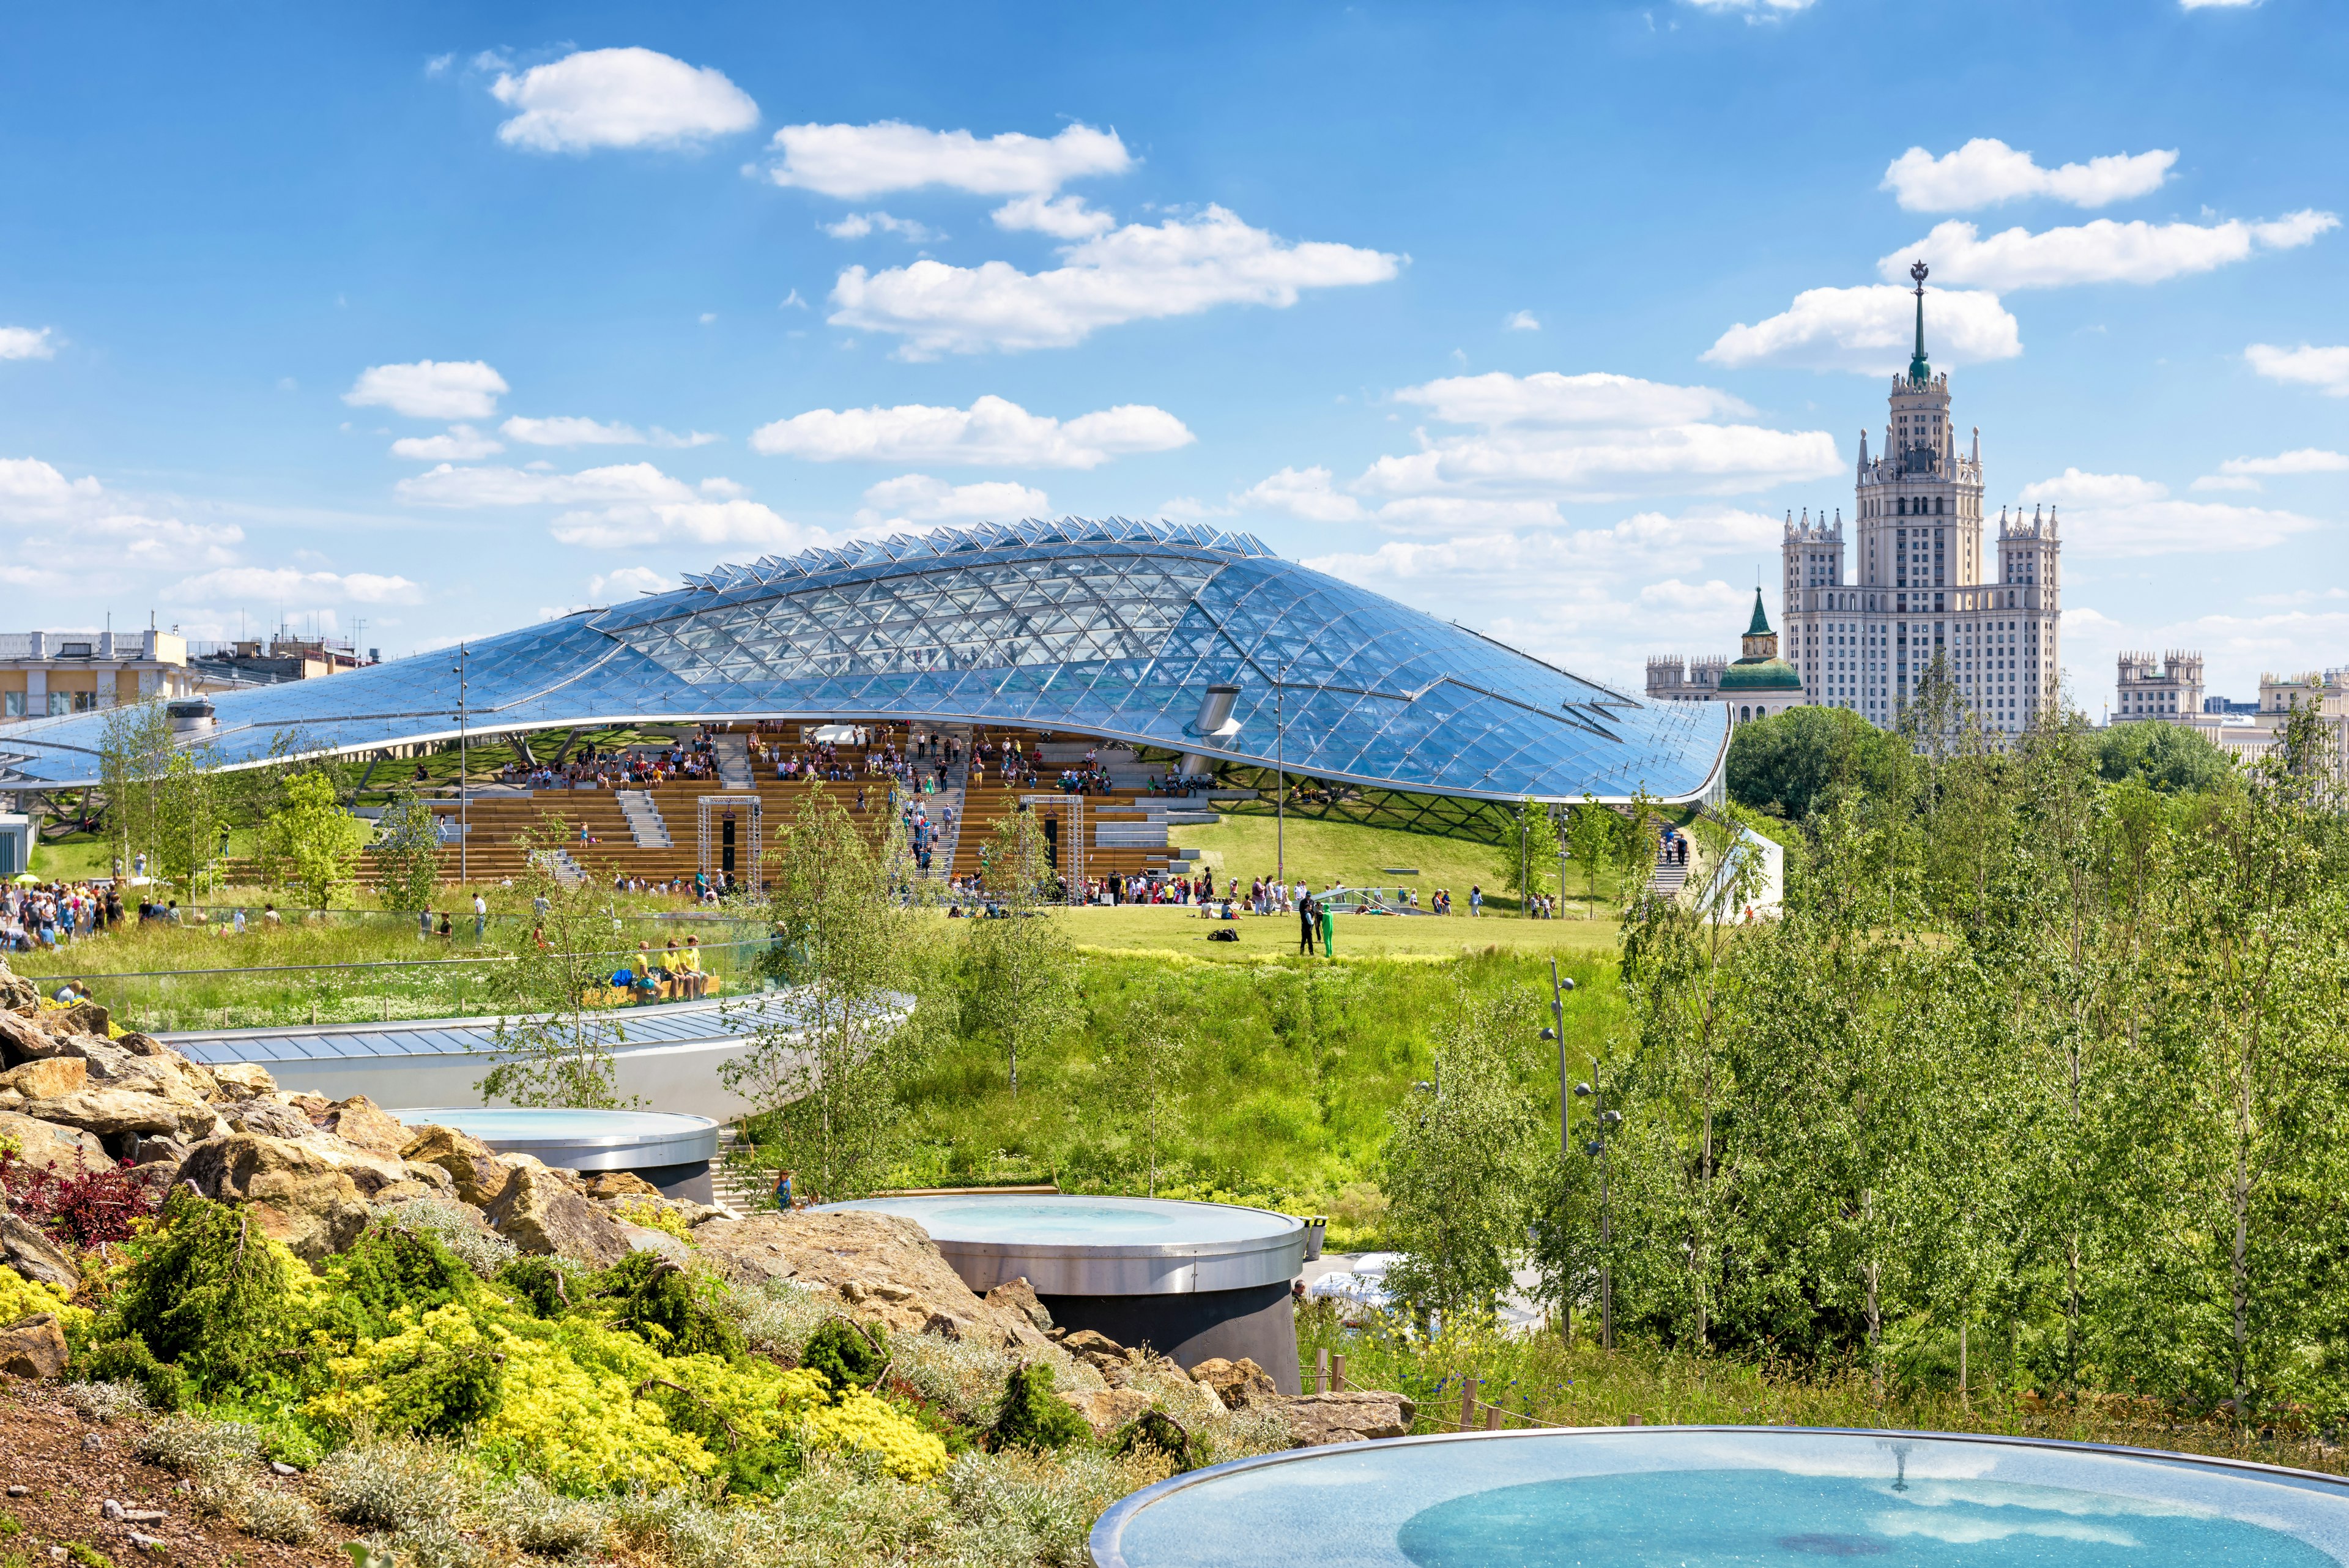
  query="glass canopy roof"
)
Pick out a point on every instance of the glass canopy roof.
point(1110, 628)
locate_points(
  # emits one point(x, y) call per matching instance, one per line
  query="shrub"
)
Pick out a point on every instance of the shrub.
point(395, 1485)
point(455, 1226)
point(20, 1298)
point(128, 1360)
point(778, 1317)
point(222, 1461)
point(530, 1518)
point(102, 1402)
point(1031, 1416)
point(848, 1356)
point(668, 1308)
point(192, 1446)
point(212, 1295)
point(642, 1210)
point(853, 1419)
point(437, 1377)
point(537, 1283)
point(390, 1272)
point(85, 1208)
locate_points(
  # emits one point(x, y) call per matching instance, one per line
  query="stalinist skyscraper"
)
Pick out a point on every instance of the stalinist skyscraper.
point(1925, 582)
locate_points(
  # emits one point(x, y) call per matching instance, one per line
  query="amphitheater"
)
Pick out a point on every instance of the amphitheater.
point(1196, 666)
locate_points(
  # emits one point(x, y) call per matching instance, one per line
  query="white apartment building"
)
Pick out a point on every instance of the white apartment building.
point(2169, 688)
point(50, 672)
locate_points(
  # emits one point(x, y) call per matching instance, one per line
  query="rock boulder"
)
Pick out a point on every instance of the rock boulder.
point(47, 1079)
point(310, 1193)
point(1353, 1417)
point(1018, 1295)
point(34, 1348)
point(360, 1121)
point(481, 1177)
point(108, 1111)
point(31, 1253)
point(47, 1146)
point(1238, 1384)
point(243, 1081)
point(1107, 1409)
point(539, 1213)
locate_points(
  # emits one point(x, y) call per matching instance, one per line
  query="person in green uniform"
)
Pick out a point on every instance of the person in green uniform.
point(1329, 931)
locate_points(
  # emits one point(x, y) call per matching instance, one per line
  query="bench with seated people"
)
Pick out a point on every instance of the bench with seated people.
point(673, 973)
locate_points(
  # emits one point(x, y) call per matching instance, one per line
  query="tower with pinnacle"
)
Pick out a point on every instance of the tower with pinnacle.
point(1927, 578)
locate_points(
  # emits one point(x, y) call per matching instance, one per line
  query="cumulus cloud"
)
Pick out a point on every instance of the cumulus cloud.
point(1591, 437)
point(857, 225)
point(1871, 329)
point(27, 343)
point(920, 498)
point(1139, 271)
point(2326, 370)
point(854, 162)
point(77, 525)
point(1062, 217)
point(1310, 494)
point(605, 586)
point(571, 429)
point(1523, 321)
point(1986, 171)
point(633, 524)
point(993, 432)
point(431, 389)
point(460, 443)
point(449, 486)
point(2121, 514)
point(2305, 460)
point(282, 584)
point(2101, 252)
point(619, 97)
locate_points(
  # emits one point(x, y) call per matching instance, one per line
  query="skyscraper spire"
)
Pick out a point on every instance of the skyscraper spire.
point(1918, 370)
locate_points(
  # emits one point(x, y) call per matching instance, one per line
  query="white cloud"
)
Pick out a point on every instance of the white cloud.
point(619, 97)
point(449, 486)
point(1755, 10)
point(1062, 217)
point(633, 524)
point(461, 443)
point(1140, 272)
point(2101, 252)
point(2122, 516)
point(280, 584)
point(2225, 481)
point(1871, 329)
point(2216, 4)
point(605, 586)
point(572, 430)
point(1986, 171)
point(857, 225)
point(431, 389)
point(27, 343)
point(853, 162)
point(1523, 321)
point(78, 526)
point(2305, 460)
point(1310, 494)
point(2327, 369)
point(1591, 437)
point(918, 498)
point(993, 432)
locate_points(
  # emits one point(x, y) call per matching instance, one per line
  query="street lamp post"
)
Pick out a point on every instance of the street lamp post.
point(464, 796)
point(1556, 1033)
point(1280, 776)
point(1605, 1121)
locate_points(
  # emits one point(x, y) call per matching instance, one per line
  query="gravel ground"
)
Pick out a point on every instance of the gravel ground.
point(47, 1450)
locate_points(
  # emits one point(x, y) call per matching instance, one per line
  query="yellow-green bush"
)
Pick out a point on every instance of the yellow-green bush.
point(21, 1298)
point(855, 1420)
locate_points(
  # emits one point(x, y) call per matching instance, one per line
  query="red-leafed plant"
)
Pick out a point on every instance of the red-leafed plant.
point(85, 1207)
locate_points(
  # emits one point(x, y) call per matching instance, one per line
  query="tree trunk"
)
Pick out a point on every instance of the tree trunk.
point(2241, 1265)
point(1965, 1399)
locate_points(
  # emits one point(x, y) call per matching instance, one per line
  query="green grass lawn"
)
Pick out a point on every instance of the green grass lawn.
point(1168, 929)
point(1359, 856)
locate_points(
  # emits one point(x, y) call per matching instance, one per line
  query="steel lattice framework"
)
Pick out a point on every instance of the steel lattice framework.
point(1104, 629)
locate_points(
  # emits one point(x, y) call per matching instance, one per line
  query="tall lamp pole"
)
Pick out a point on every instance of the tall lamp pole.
point(464, 798)
point(1597, 1149)
point(1280, 776)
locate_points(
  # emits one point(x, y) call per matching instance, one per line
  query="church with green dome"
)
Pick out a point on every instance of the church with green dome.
point(1755, 684)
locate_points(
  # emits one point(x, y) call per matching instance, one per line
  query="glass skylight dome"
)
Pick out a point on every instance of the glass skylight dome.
point(1109, 628)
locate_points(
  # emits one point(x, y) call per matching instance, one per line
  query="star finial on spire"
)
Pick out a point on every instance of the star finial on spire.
point(1919, 372)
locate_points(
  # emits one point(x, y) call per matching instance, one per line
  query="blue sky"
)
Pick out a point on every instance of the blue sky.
point(444, 319)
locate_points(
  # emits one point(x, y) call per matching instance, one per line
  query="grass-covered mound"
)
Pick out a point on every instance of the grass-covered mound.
point(458, 1399)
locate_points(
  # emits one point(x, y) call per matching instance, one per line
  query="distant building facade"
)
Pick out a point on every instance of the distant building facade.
point(2170, 687)
point(1757, 684)
point(1928, 579)
point(44, 674)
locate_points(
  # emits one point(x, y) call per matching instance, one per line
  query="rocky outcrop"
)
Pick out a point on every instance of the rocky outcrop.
point(34, 1348)
point(32, 1254)
point(481, 1176)
point(1353, 1417)
point(310, 1193)
point(539, 1213)
point(243, 1081)
point(267, 1119)
point(17, 994)
point(22, 1039)
point(603, 1185)
point(1107, 1409)
point(46, 1079)
point(360, 1121)
point(1018, 1295)
point(111, 1111)
point(1238, 1384)
point(47, 1146)
point(880, 1268)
